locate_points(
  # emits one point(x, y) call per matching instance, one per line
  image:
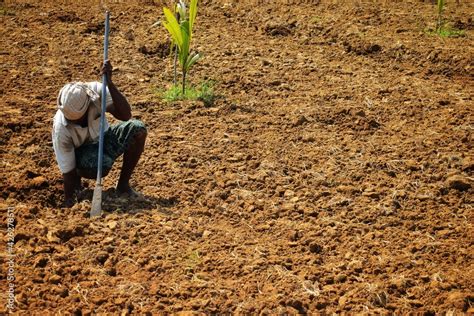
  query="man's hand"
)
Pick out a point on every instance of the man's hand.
point(72, 183)
point(120, 108)
point(107, 70)
point(68, 203)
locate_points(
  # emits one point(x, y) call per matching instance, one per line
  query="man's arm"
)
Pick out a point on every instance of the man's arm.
point(65, 155)
point(72, 182)
point(120, 108)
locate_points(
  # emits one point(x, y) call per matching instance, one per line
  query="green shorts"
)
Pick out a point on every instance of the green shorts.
point(116, 140)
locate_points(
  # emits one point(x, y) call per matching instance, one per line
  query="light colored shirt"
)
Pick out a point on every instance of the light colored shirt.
point(68, 136)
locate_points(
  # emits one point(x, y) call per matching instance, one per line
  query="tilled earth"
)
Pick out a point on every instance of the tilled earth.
point(333, 172)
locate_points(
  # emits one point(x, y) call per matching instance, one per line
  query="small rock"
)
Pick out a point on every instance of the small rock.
point(289, 194)
point(412, 165)
point(398, 284)
point(357, 266)
point(206, 234)
point(129, 35)
point(102, 256)
point(423, 197)
point(42, 222)
point(112, 225)
point(342, 301)
point(416, 303)
point(120, 301)
point(108, 240)
point(300, 120)
point(308, 138)
point(142, 261)
point(51, 236)
point(371, 194)
point(61, 292)
point(41, 262)
point(98, 300)
point(468, 164)
point(110, 249)
point(111, 271)
point(341, 278)
point(293, 235)
point(358, 113)
point(458, 182)
point(263, 227)
point(294, 199)
point(288, 207)
point(38, 181)
point(322, 305)
point(275, 83)
point(328, 280)
point(457, 300)
point(55, 279)
point(315, 248)
point(347, 189)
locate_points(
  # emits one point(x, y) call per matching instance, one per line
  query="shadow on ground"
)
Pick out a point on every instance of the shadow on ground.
point(113, 202)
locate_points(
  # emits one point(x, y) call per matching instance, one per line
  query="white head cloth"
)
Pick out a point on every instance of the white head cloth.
point(74, 99)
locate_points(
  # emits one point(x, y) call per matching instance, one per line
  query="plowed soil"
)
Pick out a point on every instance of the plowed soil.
point(332, 173)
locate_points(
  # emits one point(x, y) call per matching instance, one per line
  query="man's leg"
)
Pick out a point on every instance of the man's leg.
point(127, 138)
point(87, 157)
point(131, 156)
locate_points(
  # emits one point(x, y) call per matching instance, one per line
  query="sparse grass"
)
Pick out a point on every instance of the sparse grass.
point(192, 260)
point(5, 11)
point(194, 257)
point(316, 19)
point(203, 92)
point(446, 31)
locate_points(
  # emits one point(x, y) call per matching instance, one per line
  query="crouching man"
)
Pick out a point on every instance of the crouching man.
point(76, 135)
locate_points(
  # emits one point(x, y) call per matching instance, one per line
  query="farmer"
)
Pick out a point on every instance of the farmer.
point(76, 134)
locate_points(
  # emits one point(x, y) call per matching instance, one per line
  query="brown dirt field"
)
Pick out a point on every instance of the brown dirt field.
point(333, 173)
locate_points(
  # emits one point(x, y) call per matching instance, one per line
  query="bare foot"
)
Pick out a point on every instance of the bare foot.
point(124, 189)
point(130, 193)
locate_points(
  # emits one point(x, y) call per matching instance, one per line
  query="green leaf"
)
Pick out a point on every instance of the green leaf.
point(173, 27)
point(192, 59)
point(184, 48)
point(192, 15)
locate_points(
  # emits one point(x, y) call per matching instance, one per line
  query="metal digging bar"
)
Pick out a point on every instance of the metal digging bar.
point(96, 209)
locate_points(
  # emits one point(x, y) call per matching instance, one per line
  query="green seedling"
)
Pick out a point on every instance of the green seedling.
point(443, 29)
point(181, 32)
point(439, 24)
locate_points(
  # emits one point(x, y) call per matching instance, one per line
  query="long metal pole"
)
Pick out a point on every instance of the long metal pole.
point(103, 101)
point(96, 208)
